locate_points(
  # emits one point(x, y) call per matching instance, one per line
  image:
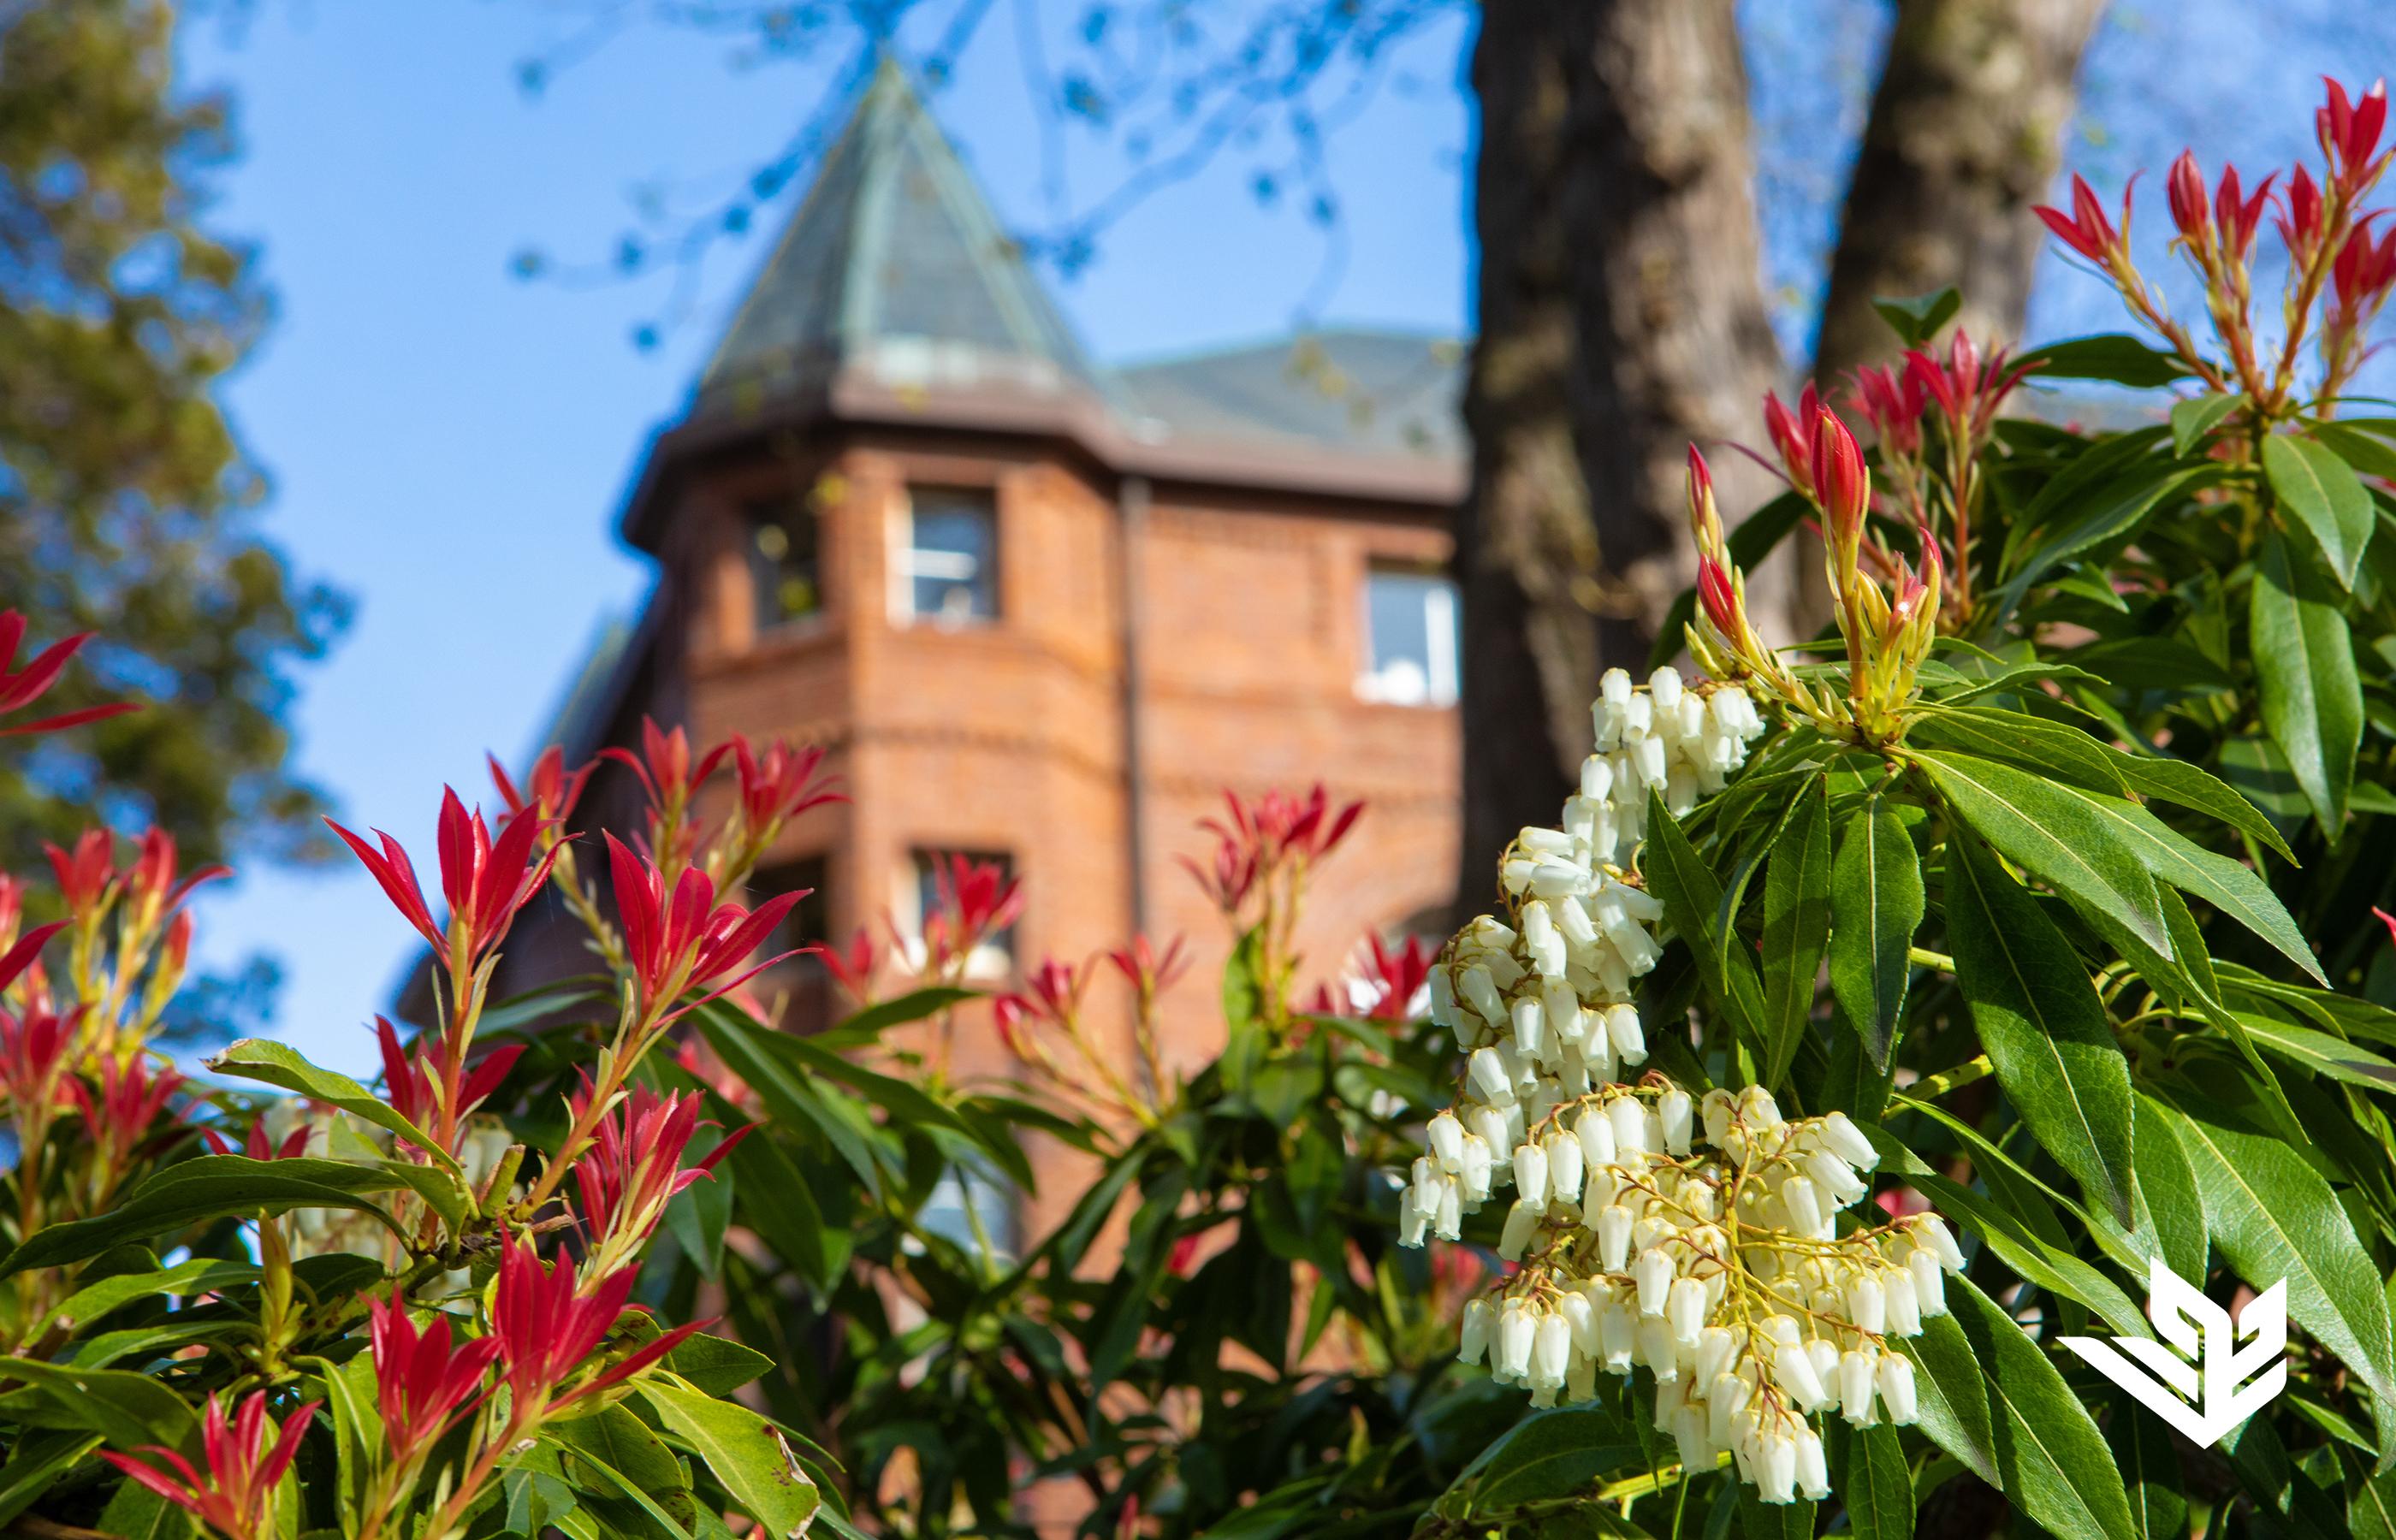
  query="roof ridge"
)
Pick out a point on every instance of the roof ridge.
point(894, 264)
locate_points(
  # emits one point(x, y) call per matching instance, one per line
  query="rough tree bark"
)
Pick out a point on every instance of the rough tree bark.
point(1621, 315)
point(1965, 134)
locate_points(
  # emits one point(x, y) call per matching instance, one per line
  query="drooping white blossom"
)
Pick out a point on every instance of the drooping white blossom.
point(1698, 1238)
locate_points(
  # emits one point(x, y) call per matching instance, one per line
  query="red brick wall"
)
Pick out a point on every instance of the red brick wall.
point(1010, 737)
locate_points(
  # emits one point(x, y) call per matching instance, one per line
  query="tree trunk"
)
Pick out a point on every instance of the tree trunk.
point(1622, 317)
point(1965, 135)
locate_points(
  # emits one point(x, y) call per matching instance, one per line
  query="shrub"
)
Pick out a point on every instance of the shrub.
point(374, 1315)
point(1882, 1018)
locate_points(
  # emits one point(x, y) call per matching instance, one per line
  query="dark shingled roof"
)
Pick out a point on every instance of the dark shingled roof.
point(1364, 392)
point(894, 270)
point(895, 265)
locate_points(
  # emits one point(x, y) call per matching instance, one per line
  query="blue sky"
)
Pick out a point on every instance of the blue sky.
point(449, 442)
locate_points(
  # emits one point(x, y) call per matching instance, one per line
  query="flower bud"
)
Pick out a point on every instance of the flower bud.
point(1930, 1231)
point(1840, 1135)
point(1929, 1283)
point(1594, 1128)
point(1868, 1305)
point(1565, 1166)
point(1903, 1302)
point(1517, 1331)
point(1445, 1136)
point(1531, 1176)
point(1630, 1121)
point(1522, 1223)
point(1793, 1367)
point(1856, 1386)
point(1612, 1237)
point(1653, 1274)
point(1674, 1108)
point(1685, 1308)
point(1895, 1375)
point(1530, 1026)
point(1473, 1339)
point(1657, 1351)
point(1813, 1469)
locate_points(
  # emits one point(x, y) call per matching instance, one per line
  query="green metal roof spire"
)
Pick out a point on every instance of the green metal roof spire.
point(895, 266)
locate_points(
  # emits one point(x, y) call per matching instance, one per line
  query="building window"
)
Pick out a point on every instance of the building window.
point(796, 991)
point(972, 1206)
point(947, 564)
point(989, 876)
point(1409, 638)
point(784, 572)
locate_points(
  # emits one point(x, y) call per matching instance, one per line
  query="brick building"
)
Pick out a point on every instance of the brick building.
point(1037, 608)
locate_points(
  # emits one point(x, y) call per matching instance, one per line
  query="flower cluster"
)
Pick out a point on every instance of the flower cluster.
point(1888, 611)
point(1695, 1237)
point(2339, 272)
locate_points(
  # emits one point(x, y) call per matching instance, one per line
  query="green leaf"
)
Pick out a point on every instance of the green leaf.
point(747, 1454)
point(273, 1064)
point(777, 1203)
point(2371, 1513)
point(869, 1024)
point(2304, 668)
point(2014, 1239)
point(2273, 1217)
point(213, 1187)
point(2325, 499)
point(2191, 786)
point(2319, 1053)
point(2126, 827)
point(2042, 1023)
point(2053, 833)
point(358, 1432)
point(1878, 1484)
point(2001, 1407)
point(1796, 928)
point(1917, 320)
point(717, 1365)
point(126, 1409)
point(200, 1275)
point(2110, 514)
point(2112, 356)
point(2197, 416)
point(1551, 1454)
point(698, 1215)
point(2142, 1448)
point(443, 1190)
point(138, 1513)
point(616, 1436)
point(1876, 905)
point(36, 1463)
point(1761, 1520)
point(1686, 887)
point(2020, 739)
point(2174, 1209)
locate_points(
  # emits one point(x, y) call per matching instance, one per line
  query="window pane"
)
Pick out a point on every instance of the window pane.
point(782, 566)
point(798, 987)
point(1410, 639)
point(993, 1203)
point(953, 557)
point(935, 870)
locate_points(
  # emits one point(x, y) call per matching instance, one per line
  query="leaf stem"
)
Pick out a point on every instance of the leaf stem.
point(1932, 1087)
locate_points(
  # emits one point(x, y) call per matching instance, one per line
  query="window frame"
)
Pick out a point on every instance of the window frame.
point(988, 960)
point(1442, 620)
point(904, 576)
point(766, 617)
